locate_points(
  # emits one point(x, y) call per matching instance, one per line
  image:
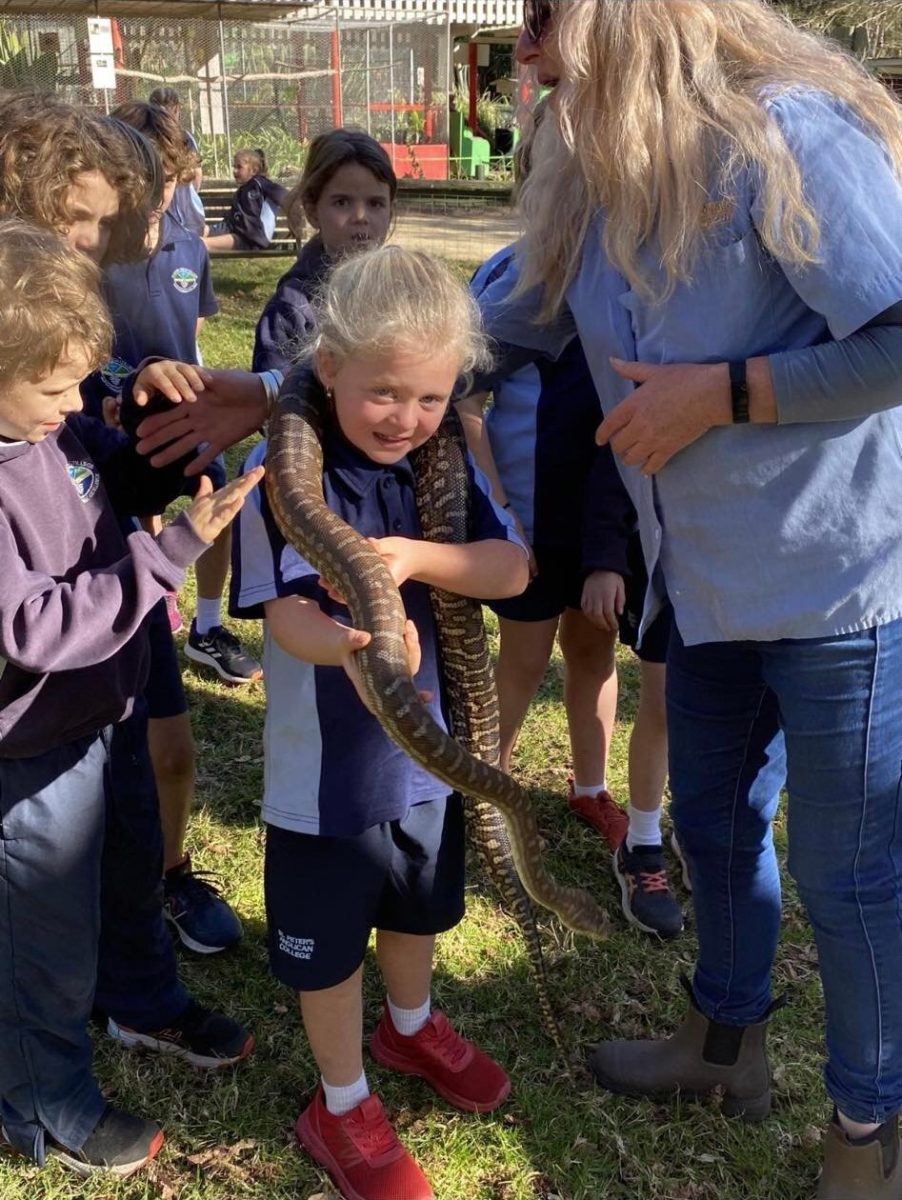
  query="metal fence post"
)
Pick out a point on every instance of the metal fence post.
point(225, 89)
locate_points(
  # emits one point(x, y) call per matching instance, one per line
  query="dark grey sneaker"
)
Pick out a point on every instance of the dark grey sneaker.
point(646, 898)
point(119, 1144)
point(201, 1036)
point(222, 651)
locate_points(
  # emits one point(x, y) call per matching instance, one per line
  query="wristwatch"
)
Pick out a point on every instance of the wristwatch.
point(739, 393)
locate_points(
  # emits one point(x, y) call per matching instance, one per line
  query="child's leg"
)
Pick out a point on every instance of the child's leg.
point(646, 896)
point(648, 757)
point(209, 642)
point(52, 810)
point(171, 743)
point(590, 696)
point(137, 976)
point(204, 921)
point(405, 961)
point(333, 1022)
point(522, 661)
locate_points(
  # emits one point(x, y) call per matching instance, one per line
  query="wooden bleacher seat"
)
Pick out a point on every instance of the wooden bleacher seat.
point(217, 198)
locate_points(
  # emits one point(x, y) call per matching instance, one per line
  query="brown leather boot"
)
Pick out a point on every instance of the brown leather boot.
point(866, 1169)
point(702, 1055)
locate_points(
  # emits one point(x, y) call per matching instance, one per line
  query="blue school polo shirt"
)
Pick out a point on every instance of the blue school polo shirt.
point(155, 304)
point(329, 767)
point(760, 532)
point(541, 427)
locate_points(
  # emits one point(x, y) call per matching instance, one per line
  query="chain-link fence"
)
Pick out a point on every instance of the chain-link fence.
point(269, 84)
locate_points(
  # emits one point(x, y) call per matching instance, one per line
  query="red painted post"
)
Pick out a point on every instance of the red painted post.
point(474, 86)
point(337, 113)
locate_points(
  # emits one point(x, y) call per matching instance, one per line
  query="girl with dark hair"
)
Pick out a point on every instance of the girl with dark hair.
point(347, 193)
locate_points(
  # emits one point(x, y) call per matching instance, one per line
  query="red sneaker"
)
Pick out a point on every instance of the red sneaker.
point(361, 1152)
point(603, 813)
point(457, 1069)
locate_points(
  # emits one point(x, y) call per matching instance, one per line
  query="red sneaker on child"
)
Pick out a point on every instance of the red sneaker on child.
point(603, 813)
point(361, 1152)
point(458, 1070)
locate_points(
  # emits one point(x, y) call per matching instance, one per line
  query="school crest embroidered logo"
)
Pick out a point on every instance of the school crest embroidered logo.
point(84, 478)
point(114, 373)
point(184, 279)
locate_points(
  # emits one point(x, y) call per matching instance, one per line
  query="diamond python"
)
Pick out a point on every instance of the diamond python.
point(510, 847)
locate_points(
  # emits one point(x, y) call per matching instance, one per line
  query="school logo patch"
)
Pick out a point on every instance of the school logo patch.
point(114, 373)
point(184, 279)
point(85, 479)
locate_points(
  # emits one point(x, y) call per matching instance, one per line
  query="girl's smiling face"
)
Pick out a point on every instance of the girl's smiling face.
point(353, 211)
point(389, 404)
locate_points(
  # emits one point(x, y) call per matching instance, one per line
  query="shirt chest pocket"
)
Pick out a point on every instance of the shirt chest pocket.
point(722, 313)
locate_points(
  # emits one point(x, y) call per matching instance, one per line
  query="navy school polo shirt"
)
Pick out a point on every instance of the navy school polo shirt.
point(155, 304)
point(329, 767)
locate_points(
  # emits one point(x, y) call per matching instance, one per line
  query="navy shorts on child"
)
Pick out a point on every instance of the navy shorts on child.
point(404, 876)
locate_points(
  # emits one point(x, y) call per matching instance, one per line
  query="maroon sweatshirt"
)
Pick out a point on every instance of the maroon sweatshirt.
point(74, 589)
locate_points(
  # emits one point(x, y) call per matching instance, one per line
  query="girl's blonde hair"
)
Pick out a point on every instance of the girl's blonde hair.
point(660, 101)
point(391, 299)
point(49, 304)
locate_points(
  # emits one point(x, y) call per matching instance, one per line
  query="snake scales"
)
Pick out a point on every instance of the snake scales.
point(509, 844)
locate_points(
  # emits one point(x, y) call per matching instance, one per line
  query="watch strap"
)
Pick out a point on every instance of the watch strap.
point(739, 393)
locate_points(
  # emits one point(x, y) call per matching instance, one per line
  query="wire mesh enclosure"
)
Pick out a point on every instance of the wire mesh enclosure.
point(272, 84)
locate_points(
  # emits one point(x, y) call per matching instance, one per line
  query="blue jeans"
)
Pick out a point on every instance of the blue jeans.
point(825, 715)
point(80, 869)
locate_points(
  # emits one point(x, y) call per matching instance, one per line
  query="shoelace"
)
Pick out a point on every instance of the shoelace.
point(198, 881)
point(447, 1043)
point(653, 881)
point(373, 1136)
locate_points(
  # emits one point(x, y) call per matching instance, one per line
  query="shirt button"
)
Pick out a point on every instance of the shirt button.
point(396, 525)
point(387, 482)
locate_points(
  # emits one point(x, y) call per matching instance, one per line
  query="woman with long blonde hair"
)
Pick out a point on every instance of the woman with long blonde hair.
point(717, 212)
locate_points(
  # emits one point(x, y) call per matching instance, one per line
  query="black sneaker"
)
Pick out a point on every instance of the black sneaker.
point(222, 651)
point(193, 906)
point(120, 1144)
point(646, 898)
point(201, 1036)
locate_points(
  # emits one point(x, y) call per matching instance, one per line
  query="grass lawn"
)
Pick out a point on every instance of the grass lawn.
point(229, 1136)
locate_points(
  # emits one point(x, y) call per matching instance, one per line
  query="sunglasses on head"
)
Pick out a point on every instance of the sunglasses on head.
point(536, 17)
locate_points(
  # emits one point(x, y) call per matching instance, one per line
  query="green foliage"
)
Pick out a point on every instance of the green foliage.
point(285, 155)
point(19, 71)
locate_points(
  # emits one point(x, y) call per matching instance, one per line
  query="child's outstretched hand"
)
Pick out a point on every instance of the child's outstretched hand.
point(176, 381)
point(211, 512)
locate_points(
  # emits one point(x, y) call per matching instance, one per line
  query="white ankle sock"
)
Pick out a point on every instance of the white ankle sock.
point(591, 789)
point(340, 1100)
point(409, 1021)
point(645, 828)
point(208, 615)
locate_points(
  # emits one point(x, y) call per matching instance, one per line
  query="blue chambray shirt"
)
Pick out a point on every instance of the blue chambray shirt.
point(761, 532)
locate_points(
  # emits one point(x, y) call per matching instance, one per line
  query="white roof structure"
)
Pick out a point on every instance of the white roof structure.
point(493, 13)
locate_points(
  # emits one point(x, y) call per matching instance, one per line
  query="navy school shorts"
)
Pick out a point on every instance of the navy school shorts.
point(324, 895)
point(558, 584)
point(164, 691)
